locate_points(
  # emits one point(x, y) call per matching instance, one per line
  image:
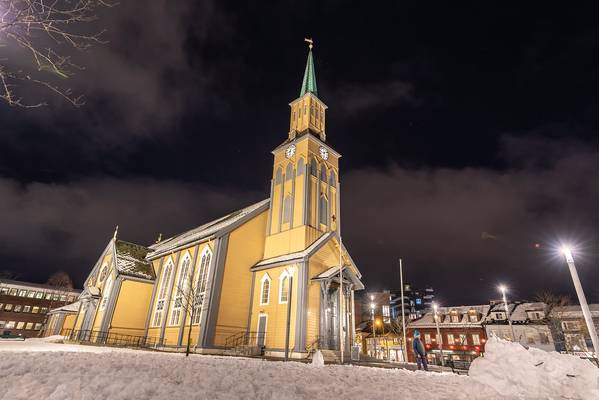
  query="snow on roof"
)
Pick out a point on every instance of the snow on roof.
point(297, 255)
point(575, 311)
point(518, 311)
point(427, 319)
point(131, 260)
point(206, 230)
point(73, 307)
point(334, 271)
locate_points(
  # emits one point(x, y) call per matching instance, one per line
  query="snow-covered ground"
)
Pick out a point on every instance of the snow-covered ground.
point(39, 369)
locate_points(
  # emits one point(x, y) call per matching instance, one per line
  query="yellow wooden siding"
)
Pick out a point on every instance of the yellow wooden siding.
point(69, 321)
point(245, 249)
point(277, 313)
point(130, 312)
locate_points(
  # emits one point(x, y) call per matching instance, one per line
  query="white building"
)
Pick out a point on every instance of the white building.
point(528, 321)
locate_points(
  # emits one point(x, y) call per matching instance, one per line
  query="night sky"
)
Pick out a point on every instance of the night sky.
point(468, 133)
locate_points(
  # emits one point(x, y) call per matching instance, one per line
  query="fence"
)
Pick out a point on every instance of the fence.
point(109, 338)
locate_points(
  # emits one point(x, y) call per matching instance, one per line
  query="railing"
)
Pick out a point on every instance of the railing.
point(246, 343)
point(109, 338)
point(312, 347)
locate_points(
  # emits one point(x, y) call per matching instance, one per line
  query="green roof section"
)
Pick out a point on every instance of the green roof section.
point(309, 82)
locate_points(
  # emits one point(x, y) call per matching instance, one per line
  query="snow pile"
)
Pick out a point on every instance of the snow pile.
point(516, 372)
point(318, 359)
point(71, 372)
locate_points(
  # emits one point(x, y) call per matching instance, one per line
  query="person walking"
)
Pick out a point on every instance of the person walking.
point(419, 351)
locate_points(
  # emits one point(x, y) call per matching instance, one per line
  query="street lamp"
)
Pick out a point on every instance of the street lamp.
point(439, 338)
point(507, 311)
point(567, 252)
point(373, 331)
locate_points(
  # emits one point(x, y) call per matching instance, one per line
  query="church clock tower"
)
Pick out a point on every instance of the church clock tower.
point(305, 183)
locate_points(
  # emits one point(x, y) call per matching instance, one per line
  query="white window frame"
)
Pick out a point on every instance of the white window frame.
point(182, 281)
point(475, 339)
point(427, 338)
point(450, 338)
point(162, 292)
point(203, 274)
point(284, 275)
point(265, 278)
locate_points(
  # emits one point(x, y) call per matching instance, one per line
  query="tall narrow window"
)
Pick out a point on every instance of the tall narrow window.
point(289, 172)
point(106, 292)
point(164, 285)
point(287, 209)
point(323, 210)
point(323, 173)
point(313, 167)
point(333, 179)
point(301, 166)
point(265, 290)
point(278, 175)
point(201, 284)
point(181, 290)
point(284, 288)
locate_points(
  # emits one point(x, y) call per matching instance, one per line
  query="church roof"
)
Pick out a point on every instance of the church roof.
point(69, 308)
point(309, 82)
point(210, 229)
point(131, 260)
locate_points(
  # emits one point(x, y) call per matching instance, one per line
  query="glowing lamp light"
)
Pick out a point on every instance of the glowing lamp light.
point(502, 288)
point(477, 348)
point(567, 252)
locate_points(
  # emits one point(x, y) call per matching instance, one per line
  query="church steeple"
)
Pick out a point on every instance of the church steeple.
point(309, 82)
point(308, 111)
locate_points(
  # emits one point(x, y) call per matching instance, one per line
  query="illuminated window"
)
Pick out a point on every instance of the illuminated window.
point(10, 325)
point(475, 339)
point(18, 308)
point(31, 294)
point(27, 309)
point(2, 324)
point(201, 284)
point(29, 325)
point(39, 295)
point(450, 339)
point(265, 290)
point(162, 293)
point(38, 326)
point(181, 290)
point(427, 338)
point(463, 339)
point(20, 325)
point(44, 310)
point(8, 307)
point(22, 293)
point(284, 288)
point(35, 310)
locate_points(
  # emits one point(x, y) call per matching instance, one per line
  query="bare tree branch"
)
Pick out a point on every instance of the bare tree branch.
point(46, 30)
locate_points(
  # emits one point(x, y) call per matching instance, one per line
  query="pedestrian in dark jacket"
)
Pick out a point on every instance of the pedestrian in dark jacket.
point(419, 351)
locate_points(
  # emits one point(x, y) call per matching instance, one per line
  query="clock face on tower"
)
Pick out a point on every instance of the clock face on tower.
point(324, 153)
point(290, 151)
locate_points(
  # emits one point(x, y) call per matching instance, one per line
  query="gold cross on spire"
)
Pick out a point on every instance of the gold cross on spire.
point(310, 43)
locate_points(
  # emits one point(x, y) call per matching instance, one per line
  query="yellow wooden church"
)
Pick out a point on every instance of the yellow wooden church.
point(263, 276)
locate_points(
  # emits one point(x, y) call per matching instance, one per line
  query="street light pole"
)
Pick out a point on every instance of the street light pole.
point(403, 314)
point(439, 338)
point(581, 298)
point(507, 312)
point(373, 331)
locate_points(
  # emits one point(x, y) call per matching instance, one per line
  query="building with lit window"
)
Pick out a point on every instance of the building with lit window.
point(24, 306)
point(570, 329)
point(416, 301)
point(463, 334)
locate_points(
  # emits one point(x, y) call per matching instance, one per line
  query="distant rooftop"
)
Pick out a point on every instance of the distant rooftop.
point(31, 285)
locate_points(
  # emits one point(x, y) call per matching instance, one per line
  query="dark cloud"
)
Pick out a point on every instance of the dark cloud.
point(434, 219)
point(358, 98)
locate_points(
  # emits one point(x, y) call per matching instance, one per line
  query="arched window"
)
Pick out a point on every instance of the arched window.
point(333, 179)
point(301, 167)
point(284, 288)
point(181, 290)
point(265, 290)
point(201, 285)
point(164, 285)
point(103, 273)
point(313, 167)
point(278, 175)
point(106, 292)
point(323, 173)
point(323, 210)
point(289, 172)
point(287, 209)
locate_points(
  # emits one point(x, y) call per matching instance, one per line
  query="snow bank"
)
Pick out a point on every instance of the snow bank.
point(516, 372)
point(141, 375)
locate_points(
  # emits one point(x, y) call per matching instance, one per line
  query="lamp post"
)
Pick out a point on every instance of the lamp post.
point(289, 294)
point(373, 331)
point(581, 298)
point(507, 311)
point(403, 314)
point(439, 338)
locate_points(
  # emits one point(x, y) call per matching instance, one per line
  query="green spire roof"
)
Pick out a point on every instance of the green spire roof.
point(309, 82)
